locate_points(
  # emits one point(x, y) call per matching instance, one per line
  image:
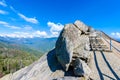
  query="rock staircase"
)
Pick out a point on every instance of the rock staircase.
point(97, 44)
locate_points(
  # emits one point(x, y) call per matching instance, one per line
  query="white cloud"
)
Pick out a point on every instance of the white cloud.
point(112, 33)
point(31, 20)
point(3, 23)
point(115, 34)
point(27, 27)
point(2, 3)
point(28, 32)
point(3, 12)
point(12, 27)
point(27, 19)
point(39, 33)
point(33, 34)
point(11, 7)
point(8, 25)
point(55, 28)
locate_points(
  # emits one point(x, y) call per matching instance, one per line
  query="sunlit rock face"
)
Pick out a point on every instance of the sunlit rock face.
point(69, 57)
point(67, 41)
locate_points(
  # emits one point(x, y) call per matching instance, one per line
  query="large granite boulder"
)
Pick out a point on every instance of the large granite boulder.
point(83, 48)
point(67, 41)
point(81, 68)
point(81, 26)
point(90, 29)
point(72, 42)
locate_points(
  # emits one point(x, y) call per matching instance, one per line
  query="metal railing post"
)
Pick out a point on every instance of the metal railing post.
point(110, 44)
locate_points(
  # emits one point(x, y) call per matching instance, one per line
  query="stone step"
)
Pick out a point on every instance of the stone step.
point(99, 48)
point(96, 41)
point(97, 45)
point(94, 38)
point(107, 50)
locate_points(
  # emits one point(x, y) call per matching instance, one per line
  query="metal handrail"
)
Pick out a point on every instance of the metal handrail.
point(110, 42)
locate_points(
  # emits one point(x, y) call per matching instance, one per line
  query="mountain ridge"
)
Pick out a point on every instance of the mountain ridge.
point(34, 43)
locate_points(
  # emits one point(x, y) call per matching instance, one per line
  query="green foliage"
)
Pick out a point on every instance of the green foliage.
point(18, 53)
point(13, 59)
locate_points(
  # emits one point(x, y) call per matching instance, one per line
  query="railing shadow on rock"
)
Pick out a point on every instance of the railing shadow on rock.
point(109, 66)
point(97, 66)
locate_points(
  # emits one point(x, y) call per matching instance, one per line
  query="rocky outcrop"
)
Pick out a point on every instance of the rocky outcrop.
point(66, 43)
point(81, 68)
point(69, 58)
point(73, 47)
point(90, 29)
point(81, 26)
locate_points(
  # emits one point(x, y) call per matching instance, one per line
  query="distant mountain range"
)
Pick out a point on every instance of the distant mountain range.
point(39, 44)
point(16, 53)
point(14, 56)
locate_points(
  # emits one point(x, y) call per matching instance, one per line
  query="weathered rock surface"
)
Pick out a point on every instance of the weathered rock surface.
point(90, 29)
point(81, 26)
point(69, 58)
point(81, 68)
point(46, 68)
point(81, 48)
point(87, 46)
point(73, 44)
point(67, 41)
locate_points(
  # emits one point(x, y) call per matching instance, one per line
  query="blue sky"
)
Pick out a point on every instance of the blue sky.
point(46, 18)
